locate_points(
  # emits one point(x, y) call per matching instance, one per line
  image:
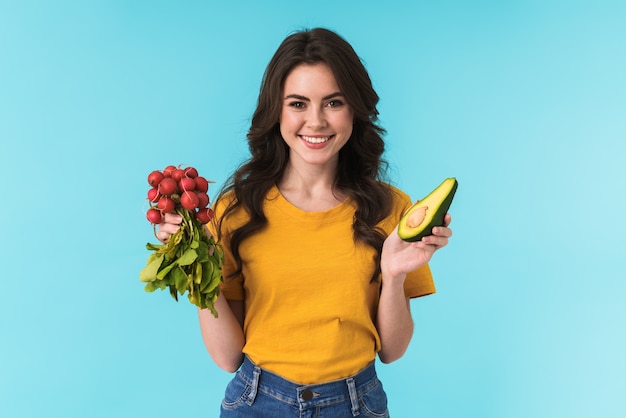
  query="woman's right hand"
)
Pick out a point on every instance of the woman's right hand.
point(171, 224)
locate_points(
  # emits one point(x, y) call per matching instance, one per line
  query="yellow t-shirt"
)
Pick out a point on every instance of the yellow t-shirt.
point(309, 305)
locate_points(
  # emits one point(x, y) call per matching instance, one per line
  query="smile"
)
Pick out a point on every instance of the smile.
point(315, 139)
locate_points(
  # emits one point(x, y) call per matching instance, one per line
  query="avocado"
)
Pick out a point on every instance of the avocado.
point(418, 221)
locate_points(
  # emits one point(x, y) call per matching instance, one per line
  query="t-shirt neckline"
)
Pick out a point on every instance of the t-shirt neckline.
point(285, 206)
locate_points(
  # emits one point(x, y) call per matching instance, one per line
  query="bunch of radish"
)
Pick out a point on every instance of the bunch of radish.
point(176, 187)
point(190, 261)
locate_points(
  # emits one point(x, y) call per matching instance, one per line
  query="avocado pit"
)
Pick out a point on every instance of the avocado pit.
point(416, 217)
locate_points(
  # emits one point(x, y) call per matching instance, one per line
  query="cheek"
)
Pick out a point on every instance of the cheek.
point(345, 123)
point(288, 122)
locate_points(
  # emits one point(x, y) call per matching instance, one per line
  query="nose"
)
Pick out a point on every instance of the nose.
point(316, 118)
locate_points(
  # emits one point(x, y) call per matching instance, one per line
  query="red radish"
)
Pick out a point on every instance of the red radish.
point(178, 174)
point(167, 171)
point(167, 186)
point(203, 200)
point(166, 204)
point(155, 178)
point(186, 184)
point(189, 200)
point(175, 189)
point(204, 215)
point(191, 172)
point(154, 216)
point(154, 195)
point(202, 185)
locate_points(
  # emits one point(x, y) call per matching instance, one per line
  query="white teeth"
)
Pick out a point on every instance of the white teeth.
point(315, 139)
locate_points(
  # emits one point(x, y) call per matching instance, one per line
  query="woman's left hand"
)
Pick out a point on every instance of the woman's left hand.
point(400, 257)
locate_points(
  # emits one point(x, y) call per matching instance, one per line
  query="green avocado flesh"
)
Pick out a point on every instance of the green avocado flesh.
point(418, 221)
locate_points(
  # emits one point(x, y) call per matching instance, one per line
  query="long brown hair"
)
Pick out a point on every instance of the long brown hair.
point(361, 167)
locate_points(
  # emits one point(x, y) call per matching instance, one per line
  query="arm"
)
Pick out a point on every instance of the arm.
point(394, 321)
point(222, 336)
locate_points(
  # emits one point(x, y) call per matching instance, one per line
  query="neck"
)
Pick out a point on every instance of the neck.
point(310, 189)
point(307, 178)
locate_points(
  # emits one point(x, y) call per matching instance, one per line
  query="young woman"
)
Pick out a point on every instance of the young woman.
point(317, 281)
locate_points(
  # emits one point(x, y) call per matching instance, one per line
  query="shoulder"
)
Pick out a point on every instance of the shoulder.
point(224, 201)
point(399, 203)
point(229, 214)
point(399, 199)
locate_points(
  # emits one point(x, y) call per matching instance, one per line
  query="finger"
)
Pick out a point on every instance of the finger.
point(171, 224)
point(168, 228)
point(447, 219)
point(162, 236)
point(442, 231)
point(436, 241)
point(172, 218)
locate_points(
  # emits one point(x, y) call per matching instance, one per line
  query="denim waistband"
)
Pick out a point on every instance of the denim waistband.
point(305, 396)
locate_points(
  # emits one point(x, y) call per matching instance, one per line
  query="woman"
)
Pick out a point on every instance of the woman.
point(317, 281)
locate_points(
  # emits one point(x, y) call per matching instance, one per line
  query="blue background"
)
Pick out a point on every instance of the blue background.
point(523, 101)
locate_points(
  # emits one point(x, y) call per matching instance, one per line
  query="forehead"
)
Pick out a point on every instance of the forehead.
point(311, 78)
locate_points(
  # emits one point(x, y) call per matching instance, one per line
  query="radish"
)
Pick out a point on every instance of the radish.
point(191, 172)
point(166, 204)
point(178, 174)
point(189, 200)
point(155, 178)
point(154, 195)
point(204, 215)
point(186, 184)
point(203, 200)
point(202, 185)
point(154, 216)
point(167, 171)
point(167, 186)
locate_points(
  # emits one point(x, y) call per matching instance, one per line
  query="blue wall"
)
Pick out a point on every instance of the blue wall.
point(523, 101)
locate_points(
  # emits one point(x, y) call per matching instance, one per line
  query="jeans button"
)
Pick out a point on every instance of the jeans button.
point(307, 395)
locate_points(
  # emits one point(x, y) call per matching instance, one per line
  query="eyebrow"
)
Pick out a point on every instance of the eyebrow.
point(306, 99)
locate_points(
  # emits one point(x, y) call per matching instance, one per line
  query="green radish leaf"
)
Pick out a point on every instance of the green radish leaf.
point(188, 257)
point(203, 252)
point(194, 298)
point(149, 273)
point(197, 274)
point(165, 270)
point(174, 293)
point(209, 302)
point(207, 273)
point(153, 247)
point(150, 287)
point(180, 280)
point(214, 282)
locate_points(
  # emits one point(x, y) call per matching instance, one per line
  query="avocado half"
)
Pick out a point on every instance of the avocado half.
point(418, 221)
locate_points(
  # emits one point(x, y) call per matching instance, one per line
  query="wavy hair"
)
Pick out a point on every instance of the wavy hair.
point(361, 168)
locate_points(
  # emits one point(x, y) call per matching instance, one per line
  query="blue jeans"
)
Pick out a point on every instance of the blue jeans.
point(255, 392)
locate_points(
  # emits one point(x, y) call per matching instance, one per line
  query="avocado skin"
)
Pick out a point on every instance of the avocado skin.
point(437, 219)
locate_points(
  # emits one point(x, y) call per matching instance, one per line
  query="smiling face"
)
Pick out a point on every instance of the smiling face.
point(315, 121)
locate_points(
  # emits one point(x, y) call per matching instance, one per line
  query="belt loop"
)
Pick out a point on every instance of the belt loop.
point(353, 397)
point(256, 374)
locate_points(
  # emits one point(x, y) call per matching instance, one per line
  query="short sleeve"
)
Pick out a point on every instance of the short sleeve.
point(419, 283)
point(231, 287)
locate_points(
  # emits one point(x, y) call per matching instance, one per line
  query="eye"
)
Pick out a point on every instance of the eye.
point(335, 103)
point(297, 104)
